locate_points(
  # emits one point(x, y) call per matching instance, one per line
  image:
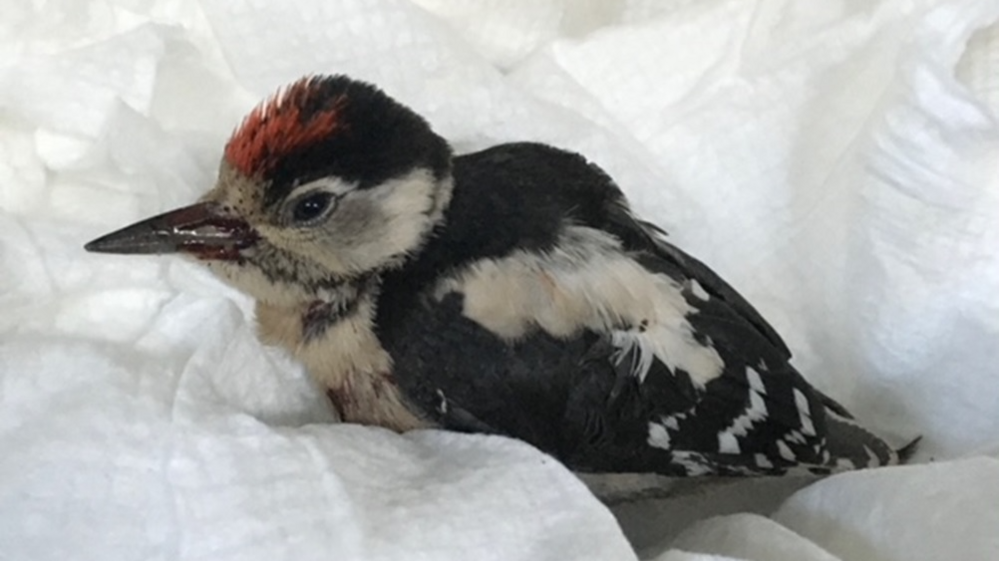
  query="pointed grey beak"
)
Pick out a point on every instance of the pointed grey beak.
point(204, 230)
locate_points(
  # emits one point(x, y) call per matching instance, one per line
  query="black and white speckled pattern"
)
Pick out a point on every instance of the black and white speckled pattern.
point(592, 399)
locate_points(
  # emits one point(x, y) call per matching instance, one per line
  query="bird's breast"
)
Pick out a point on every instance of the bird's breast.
point(348, 362)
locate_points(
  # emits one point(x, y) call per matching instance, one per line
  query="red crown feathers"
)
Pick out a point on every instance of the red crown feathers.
point(294, 117)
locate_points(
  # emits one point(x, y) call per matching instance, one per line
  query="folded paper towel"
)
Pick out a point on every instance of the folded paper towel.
point(824, 158)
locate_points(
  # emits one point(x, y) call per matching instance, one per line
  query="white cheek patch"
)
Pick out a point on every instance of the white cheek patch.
point(406, 209)
point(587, 281)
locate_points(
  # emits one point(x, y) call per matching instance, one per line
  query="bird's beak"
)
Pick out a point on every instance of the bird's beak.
point(205, 230)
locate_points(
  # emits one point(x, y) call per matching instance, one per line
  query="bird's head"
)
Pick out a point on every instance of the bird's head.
point(327, 182)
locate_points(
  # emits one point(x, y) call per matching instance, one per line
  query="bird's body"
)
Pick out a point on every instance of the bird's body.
point(509, 291)
point(526, 313)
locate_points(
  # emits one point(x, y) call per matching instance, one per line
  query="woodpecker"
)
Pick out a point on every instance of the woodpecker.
point(509, 291)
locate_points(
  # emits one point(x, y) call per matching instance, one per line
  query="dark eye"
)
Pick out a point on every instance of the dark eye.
point(311, 206)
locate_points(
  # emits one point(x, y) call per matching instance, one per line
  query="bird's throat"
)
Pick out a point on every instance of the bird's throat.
point(336, 305)
point(336, 342)
point(320, 315)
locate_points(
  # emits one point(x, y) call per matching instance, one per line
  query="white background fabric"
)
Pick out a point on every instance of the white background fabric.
point(837, 161)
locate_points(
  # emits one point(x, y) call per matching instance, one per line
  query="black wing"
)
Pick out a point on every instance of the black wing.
point(759, 414)
point(578, 397)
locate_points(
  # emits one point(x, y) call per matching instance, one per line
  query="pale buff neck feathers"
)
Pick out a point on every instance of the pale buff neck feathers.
point(346, 359)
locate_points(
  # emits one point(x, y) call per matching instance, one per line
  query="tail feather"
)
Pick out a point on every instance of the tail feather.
point(906, 452)
point(851, 446)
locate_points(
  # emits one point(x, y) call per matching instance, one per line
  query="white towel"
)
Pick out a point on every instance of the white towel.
point(837, 161)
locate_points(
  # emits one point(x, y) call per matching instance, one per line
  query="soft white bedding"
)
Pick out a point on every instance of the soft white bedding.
point(837, 161)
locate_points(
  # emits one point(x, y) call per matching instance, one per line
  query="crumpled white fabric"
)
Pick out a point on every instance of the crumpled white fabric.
point(837, 161)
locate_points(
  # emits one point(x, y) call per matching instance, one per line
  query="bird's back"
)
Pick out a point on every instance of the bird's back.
point(523, 316)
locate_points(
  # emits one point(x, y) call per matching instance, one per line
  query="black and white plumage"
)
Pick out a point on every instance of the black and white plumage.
point(509, 291)
point(651, 364)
